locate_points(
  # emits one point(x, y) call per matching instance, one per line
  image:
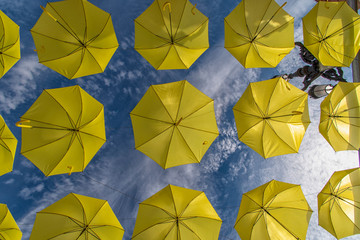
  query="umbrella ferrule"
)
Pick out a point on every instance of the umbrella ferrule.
point(20, 124)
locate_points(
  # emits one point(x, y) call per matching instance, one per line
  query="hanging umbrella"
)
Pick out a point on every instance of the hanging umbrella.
point(259, 33)
point(62, 130)
point(171, 34)
point(177, 213)
point(9, 43)
point(339, 204)
point(271, 117)
point(340, 117)
point(275, 210)
point(7, 148)
point(76, 217)
point(332, 33)
point(9, 230)
point(74, 38)
point(174, 124)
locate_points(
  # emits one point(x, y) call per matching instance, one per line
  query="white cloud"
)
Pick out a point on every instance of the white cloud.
point(27, 193)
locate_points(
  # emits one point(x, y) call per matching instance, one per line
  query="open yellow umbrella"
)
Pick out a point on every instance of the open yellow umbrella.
point(339, 204)
point(9, 43)
point(8, 145)
point(273, 211)
point(76, 217)
point(271, 117)
point(62, 130)
point(171, 34)
point(9, 230)
point(74, 38)
point(177, 213)
point(332, 33)
point(340, 117)
point(174, 124)
point(259, 33)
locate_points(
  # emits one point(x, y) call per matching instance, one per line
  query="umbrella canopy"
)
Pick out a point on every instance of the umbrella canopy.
point(339, 204)
point(177, 213)
point(9, 230)
point(259, 33)
point(171, 34)
point(332, 33)
point(9, 43)
point(76, 217)
point(62, 130)
point(271, 117)
point(273, 211)
point(8, 145)
point(74, 38)
point(340, 117)
point(174, 124)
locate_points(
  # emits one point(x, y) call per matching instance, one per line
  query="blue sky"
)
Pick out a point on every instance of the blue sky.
point(229, 168)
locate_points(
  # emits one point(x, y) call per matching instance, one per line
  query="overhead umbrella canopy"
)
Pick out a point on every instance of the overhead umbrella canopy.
point(177, 213)
point(275, 210)
point(74, 38)
point(62, 130)
point(339, 204)
point(76, 217)
point(259, 33)
point(9, 230)
point(271, 117)
point(340, 117)
point(332, 33)
point(8, 145)
point(174, 124)
point(171, 34)
point(9, 43)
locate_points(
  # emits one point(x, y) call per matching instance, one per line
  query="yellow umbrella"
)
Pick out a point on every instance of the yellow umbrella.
point(76, 217)
point(271, 117)
point(275, 210)
point(74, 38)
point(9, 230)
point(340, 117)
point(171, 34)
point(62, 130)
point(259, 33)
point(174, 124)
point(339, 204)
point(332, 33)
point(177, 213)
point(7, 148)
point(9, 43)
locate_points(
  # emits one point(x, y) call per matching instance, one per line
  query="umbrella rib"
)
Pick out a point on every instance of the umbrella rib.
point(4, 145)
point(177, 53)
point(163, 60)
point(155, 206)
point(181, 17)
point(196, 110)
point(274, 31)
point(292, 101)
point(162, 103)
point(179, 104)
point(200, 26)
point(147, 228)
point(101, 31)
point(168, 146)
point(46, 144)
point(154, 119)
point(332, 18)
point(185, 225)
point(136, 147)
point(70, 119)
point(347, 110)
point(32, 120)
point(7, 47)
point(71, 32)
point(335, 125)
point(162, 38)
point(86, 27)
point(162, 18)
point(243, 36)
point(189, 147)
point(198, 129)
point(81, 61)
point(328, 46)
point(103, 205)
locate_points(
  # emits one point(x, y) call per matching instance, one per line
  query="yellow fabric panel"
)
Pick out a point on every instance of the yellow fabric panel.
point(175, 212)
point(339, 204)
point(66, 124)
point(171, 35)
point(271, 117)
point(259, 34)
point(9, 230)
point(174, 124)
point(8, 144)
point(340, 117)
point(275, 210)
point(74, 38)
point(331, 33)
point(75, 216)
point(9, 43)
